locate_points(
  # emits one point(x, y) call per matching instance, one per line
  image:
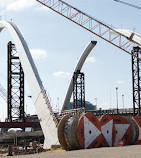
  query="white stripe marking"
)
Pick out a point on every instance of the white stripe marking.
point(121, 130)
point(107, 131)
point(91, 132)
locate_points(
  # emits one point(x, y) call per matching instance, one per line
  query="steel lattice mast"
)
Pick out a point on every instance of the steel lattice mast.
point(15, 85)
point(136, 79)
point(93, 25)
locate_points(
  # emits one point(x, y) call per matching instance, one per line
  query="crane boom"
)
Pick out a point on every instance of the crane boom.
point(93, 25)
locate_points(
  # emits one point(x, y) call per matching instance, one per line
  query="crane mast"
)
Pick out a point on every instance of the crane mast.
point(93, 25)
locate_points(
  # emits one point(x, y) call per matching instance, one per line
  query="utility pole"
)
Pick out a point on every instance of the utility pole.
point(123, 100)
point(58, 104)
point(96, 102)
point(117, 98)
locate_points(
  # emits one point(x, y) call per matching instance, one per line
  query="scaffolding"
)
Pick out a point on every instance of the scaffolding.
point(15, 86)
point(136, 79)
point(78, 90)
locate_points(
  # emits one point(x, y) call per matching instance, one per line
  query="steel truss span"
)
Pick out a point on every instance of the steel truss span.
point(44, 110)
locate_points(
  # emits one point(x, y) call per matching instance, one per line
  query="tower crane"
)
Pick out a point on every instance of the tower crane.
point(123, 40)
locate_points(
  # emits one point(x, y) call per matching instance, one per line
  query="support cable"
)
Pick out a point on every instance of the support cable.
point(129, 4)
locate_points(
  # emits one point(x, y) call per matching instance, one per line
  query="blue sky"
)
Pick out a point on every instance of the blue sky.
point(57, 43)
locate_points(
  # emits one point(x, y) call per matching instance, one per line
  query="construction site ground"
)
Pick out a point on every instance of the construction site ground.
point(133, 151)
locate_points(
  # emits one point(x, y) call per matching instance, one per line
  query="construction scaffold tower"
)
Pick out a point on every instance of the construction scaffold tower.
point(136, 79)
point(15, 86)
point(78, 90)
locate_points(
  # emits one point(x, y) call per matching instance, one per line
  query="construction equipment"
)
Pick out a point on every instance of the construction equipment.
point(86, 131)
point(123, 41)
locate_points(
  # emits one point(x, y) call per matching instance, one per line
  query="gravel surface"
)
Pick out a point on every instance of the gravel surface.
point(114, 152)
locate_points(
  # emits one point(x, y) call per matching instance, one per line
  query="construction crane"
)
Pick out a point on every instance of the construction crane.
point(120, 39)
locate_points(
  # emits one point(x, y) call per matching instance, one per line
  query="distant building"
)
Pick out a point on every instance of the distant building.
point(88, 106)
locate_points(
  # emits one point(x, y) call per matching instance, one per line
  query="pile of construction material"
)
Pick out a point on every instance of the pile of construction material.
point(85, 131)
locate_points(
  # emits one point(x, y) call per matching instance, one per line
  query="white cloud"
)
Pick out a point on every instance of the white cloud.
point(38, 53)
point(19, 5)
point(90, 60)
point(3, 3)
point(61, 74)
point(120, 82)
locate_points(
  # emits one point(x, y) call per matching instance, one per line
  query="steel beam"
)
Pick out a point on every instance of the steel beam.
point(19, 124)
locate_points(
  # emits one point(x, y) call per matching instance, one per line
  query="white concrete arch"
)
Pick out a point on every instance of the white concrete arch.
point(25, 58)
point(40, 99)
point(78, 67)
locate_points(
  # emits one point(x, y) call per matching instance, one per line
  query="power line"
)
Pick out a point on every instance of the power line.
point(129, 4)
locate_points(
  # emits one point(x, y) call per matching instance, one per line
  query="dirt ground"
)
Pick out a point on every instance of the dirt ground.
point(114, 152)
